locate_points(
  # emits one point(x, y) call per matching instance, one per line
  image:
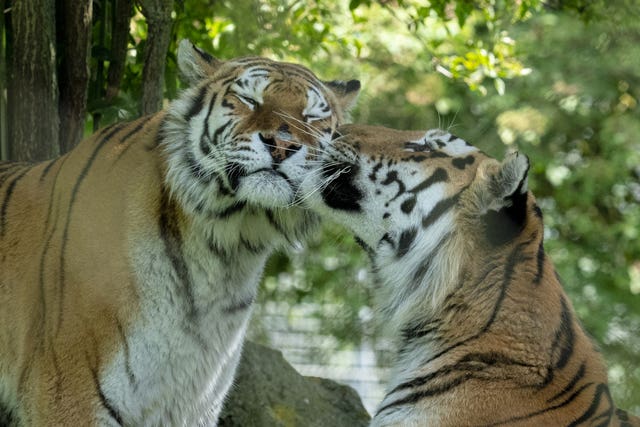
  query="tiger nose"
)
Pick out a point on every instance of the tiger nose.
point(280, 147)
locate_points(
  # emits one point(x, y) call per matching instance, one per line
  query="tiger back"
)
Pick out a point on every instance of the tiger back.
point(485, 334)
point(129, 266)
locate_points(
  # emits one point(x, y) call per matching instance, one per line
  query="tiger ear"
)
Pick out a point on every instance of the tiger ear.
point(502, 190)
point(346, 92)
point(194, 64)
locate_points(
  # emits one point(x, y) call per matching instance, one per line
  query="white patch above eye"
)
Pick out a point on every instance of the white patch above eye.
point(249, 102)
point(250, 85)
point(317, 106)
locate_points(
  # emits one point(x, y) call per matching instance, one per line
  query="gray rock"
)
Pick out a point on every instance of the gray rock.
point(269, 392)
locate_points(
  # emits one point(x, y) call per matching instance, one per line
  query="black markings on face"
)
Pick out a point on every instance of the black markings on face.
point(205, 145)
point(363, 245)
point(438, 155)
point(341, 192)
point(440, 209)
point(234, 172)
point(196, 169)
point(198, 104)
point(408, 205)
point(462, 162)
point(405, 241)
point(416, 158)
point(376, 168)
point(416, 146)
point(392, 177)
point(537, 211)
point(439, 175)
point(227, 104)
point(387, 238)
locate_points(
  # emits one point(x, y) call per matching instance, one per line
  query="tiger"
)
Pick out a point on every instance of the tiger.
point(129, 266)
point(483, 332)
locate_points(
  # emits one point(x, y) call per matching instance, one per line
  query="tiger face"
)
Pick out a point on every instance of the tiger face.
point(245, 131)
point(400, 193)
point(386, 185)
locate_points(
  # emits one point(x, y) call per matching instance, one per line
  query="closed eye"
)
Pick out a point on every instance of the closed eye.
point(249, 102)
point(415, 146)
point(311, 118)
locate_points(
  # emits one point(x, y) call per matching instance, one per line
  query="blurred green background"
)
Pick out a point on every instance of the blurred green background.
point(558, 80)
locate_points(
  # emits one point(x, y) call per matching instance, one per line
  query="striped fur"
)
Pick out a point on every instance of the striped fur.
point(485, 334)
point(129, 266)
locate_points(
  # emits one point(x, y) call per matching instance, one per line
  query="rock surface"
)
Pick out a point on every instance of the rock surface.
point(269, 392)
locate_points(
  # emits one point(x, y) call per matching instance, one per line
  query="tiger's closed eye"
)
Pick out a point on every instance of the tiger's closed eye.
point(309, 118)
point(415, 146)
point(249, 102)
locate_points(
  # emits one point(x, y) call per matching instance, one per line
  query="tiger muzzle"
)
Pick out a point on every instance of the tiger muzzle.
point(280, 147)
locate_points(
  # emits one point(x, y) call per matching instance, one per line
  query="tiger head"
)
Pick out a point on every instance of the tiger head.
point(419, 203)
point(244, 130)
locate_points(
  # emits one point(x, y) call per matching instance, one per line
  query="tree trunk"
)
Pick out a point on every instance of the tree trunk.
point(3, 80)
point(119, 40)
point(32, 86)
point(74, 36)
point(158, 14)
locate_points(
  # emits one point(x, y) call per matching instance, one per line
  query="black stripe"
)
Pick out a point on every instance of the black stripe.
point(417, 396)
point(205, 140)
point(254, 248)
point(424, 267)
point(440, 175)
point(113, 413)
point(540, 256)
point(234, 208)
point(513, 259)
point(50, 234)
point(405, 240)
point(239, 306)
point(217, 250)
point(274, 223)
point(132, 132)
point(47, 168)
point(418, 330)
point(7, 197)
point(571, 385)
point(467, 367)
point(172, 239)
point(471, 362)
point(439, 209)
point(127, 356)
point(537, 211)
point(198, 103)
point(601, 390)
point(374, 171)
point(5, 166)
point(545, 410)
point(564, 337)
point(216, 135)
point(74, 194)
point(392, 177)
point(197, 171)
point(408, 205)
point(462, 162)
point(141, 123)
